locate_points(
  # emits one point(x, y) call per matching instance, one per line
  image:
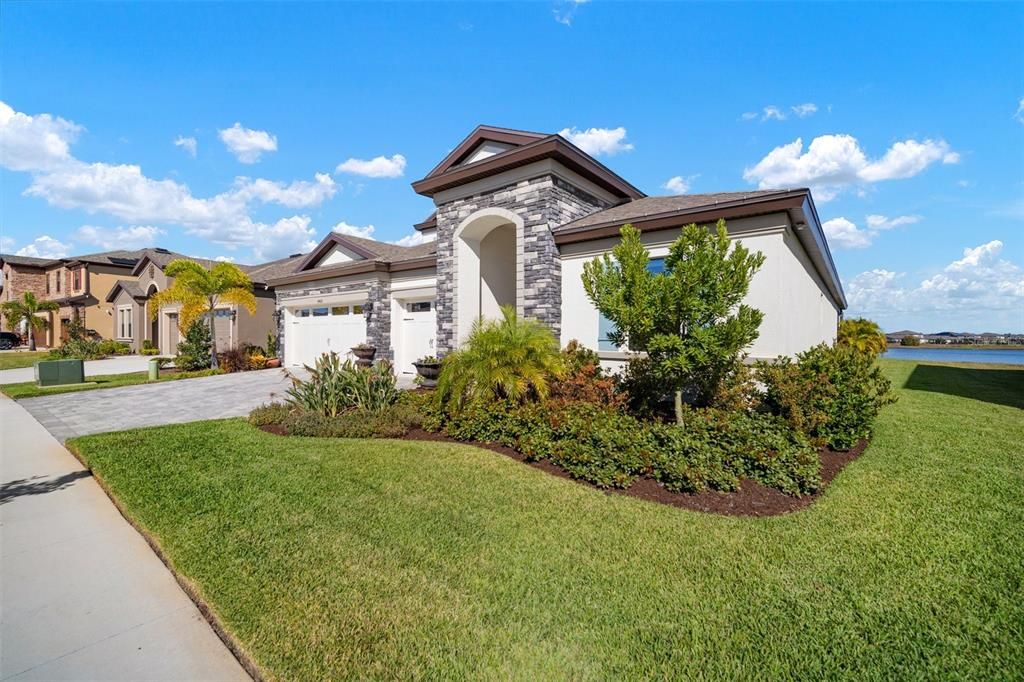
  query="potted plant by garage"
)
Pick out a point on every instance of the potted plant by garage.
point(364, 353)
point(428, 369)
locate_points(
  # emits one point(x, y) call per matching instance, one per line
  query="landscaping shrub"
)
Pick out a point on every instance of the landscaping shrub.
point(602, 447)
point(337, 385)
point(233, 360)
point(149, 348)
point(194, 351)
point(392, 422)
point(111, 347)
point(510, 358)
point(831, 394)
point(80, 348)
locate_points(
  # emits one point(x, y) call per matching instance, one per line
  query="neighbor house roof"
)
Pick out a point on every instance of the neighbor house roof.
point(27, 261)
point(117, 258)
point(127, 285)
point(526, 148)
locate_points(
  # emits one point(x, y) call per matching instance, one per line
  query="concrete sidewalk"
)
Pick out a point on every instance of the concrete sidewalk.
point(122, 364)
point(83, 596)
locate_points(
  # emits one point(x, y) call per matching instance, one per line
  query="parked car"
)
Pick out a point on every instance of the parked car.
point(9, 340)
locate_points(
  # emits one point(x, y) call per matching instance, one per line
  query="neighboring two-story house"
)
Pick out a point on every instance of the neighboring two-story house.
point(132, 323)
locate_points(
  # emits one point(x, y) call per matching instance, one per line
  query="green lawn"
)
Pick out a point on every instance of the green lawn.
point(29, 389)
point(390, 559)
point(16, 359)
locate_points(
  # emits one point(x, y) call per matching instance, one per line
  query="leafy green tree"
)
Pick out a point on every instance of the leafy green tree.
point(910, 341)
point(27, 310)
point(194, 350)
point(862, 335)
point(200, 291)
point(690, 319)
point(510, 358)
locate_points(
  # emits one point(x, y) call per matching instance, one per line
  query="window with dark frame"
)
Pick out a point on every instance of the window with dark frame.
point(419, 307)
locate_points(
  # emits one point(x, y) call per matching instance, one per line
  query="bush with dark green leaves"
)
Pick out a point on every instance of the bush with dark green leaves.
point(831, 394)
point(392, 422)
point(194, 350)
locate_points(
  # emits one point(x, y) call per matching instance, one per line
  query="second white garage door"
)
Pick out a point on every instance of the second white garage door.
point(311, 332)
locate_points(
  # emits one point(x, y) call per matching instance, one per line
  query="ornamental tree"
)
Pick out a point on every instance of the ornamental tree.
point(200, 291)
point(27, 310)
point(862, 335)
point(689, 319)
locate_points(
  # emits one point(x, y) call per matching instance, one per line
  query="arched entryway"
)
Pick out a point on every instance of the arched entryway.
point(488, 267)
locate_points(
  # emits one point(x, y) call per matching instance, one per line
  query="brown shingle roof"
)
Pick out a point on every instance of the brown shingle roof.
point(652, 206)
point(27, 261)
point(117, 257)
point(394, 253)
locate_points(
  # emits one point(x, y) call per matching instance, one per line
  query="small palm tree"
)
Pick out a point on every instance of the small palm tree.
point(509, 358)
point(199, 291)
point(26, 310)
point(863, 335)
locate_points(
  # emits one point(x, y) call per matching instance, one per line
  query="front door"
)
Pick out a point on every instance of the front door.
point(419, 330)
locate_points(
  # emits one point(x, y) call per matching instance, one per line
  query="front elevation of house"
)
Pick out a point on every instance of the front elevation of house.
point(517, 215)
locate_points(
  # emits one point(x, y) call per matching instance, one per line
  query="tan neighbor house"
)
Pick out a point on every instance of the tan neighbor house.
point(131, 321)
point(79, 285)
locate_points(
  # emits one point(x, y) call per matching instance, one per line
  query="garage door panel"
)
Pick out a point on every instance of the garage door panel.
point(314, 331)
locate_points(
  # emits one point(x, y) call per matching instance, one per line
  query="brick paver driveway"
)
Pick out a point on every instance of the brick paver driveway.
point(68, 415)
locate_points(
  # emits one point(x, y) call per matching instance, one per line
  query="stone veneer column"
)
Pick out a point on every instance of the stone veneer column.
point(543, 203)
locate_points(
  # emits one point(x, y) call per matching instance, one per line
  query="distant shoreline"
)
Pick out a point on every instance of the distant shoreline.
point(960, 346)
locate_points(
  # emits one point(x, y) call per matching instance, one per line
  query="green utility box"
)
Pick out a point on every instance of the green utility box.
point(59, 372)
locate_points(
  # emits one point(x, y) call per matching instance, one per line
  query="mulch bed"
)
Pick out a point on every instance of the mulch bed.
point(752, 499)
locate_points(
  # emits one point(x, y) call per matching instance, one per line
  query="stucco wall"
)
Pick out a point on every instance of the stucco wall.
point(798, 312)
point(98, 282)
point(253, 329)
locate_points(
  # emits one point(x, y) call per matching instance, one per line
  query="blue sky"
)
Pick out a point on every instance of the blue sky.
point(906, 120)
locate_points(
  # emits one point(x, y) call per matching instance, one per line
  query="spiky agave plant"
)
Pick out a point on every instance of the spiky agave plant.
point(509, 358)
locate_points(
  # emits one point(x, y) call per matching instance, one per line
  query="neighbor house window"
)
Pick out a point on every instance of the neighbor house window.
point(78, 278)
point(606, 326)
point(57, 277)
point(124, 322)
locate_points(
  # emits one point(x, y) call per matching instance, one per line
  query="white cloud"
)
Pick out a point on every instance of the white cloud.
point(845, 235)
point(880, 222)
point(44, 246)
point(598, 141)
point(749, 115)
point(189, 144)
point(297, 194)
point(106, 238)
point(366, 231)
point(565, 10)
point(283, 238)
point(979, 281)
point(225, 259)
point(679, 184)
point(834, 162)
point(6, 244)
point(246, 144)
point(34, 143)
point(804, 110)
point(415, 239)
point(377, 167)
point(773, 113)
point(1019, 116)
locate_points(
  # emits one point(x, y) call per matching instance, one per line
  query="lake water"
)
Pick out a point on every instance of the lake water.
point(1005, 357)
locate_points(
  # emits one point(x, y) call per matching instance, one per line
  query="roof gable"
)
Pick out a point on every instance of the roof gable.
point(482, 143)
point(334, 243)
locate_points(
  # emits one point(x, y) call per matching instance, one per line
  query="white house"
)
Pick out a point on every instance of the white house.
point(517, 215)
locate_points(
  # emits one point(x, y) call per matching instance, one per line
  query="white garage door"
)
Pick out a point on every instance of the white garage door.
point(316, 330)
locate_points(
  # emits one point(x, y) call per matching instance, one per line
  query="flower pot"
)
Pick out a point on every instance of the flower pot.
point(364, 355)
point(273, 362)
point(428, 371)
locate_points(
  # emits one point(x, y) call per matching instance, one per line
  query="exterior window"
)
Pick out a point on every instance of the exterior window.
point(47, 284)
point(304, 312)
point(57, 277)
point(605, 326)
point(319, 312)
point(339, 310)
point(124, 322)
point(222, 312)
point(419, 307)
point(78, 278)
point(357, 310)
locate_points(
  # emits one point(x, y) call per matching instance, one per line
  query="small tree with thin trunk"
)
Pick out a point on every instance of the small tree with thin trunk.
point(27, 310)
point(200, 291)
point(689, 319)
